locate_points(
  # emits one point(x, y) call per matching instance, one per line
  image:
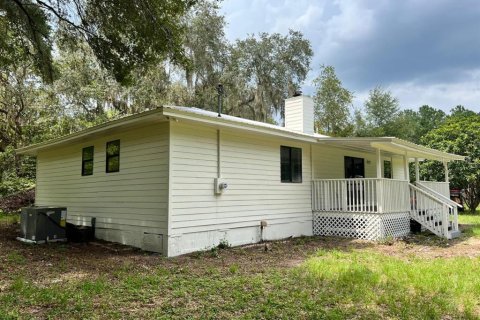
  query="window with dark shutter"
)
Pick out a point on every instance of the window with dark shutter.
point(113, 156)
point(291, 164)
point(87, 161)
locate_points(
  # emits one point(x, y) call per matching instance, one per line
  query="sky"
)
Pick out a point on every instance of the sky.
point(423, 51)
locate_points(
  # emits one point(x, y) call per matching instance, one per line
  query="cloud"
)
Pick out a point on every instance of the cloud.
point(411, 41)
point(425, 52)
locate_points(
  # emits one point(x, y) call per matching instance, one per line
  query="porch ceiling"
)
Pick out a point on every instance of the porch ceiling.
point(392, 146)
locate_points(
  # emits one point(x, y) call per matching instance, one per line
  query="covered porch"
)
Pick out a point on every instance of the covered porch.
point(379, 201)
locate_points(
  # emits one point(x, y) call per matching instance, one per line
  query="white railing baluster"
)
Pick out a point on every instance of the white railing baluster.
point(434, 213)
point(360, 195)
point(369, 195)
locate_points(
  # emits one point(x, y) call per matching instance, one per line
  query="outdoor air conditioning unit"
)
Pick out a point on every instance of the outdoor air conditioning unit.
point(43, 224)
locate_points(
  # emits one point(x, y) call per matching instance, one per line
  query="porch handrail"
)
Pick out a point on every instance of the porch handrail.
point(441, 187)
point(432, 212)
point(438, 194)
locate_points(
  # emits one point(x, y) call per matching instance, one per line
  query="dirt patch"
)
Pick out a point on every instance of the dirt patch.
point(412, 246)
point(44, 263)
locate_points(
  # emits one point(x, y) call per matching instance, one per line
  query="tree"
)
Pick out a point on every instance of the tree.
point(459, 134)
point(404, 125)
point(381, 106)
point(332, 104)
point(122, 34)
point(461, 111)
point(25, 108)
point(207, 50)
point(263, 71)
point(429, 119)
point(86, 89)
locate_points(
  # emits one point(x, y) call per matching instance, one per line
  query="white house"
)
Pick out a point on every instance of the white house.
point(176, 180)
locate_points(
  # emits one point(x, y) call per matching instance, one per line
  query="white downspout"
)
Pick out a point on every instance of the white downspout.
point(219, 167)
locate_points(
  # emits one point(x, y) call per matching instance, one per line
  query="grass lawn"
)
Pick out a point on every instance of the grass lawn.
point(420, 277)
point(472, 221)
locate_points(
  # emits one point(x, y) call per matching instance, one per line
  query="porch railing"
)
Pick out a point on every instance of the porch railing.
point(442, 188)
point(435, 212)
point(430, 208)
point(360, 195)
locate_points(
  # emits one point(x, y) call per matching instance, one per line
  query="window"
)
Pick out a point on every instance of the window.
point(87, 161)
point(387, 169)
point(113, 156)
point(291, 164)
point(354, 168)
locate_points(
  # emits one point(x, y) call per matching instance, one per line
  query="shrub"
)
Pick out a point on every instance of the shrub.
point(14, 202)
point(224, 244)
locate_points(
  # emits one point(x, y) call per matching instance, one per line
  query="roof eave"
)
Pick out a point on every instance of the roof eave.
point(34, 148)
point(221, 122)
point(379, 142)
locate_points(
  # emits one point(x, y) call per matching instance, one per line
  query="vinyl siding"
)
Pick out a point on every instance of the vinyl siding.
point(397, 168)
point(250, 164)
point(127, 204)
point(328, 162)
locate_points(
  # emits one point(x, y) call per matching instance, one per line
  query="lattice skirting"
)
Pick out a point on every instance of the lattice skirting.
point(361, 225)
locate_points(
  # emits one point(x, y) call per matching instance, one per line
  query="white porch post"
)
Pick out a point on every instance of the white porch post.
point(406, 170)
point(379, 164)
point(445, 165)
point(379, 186)
point(417, 170)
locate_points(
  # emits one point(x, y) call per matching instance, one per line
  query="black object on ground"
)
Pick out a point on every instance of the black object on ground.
point(81, 233)
point(415, 227)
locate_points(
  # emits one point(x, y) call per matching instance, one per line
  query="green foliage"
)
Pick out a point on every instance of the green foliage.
point(9, 218)
point(16, 174)
point(233, 268)
point(461, 112)
point(263, 71)
point(122, 34)
point(429, 119)
point(381, 106)
point(383, 117)
point(26, 37)
point(405, 125)
point(332, 104)
point(224, 244)
point(207, 50)
point(459, 134)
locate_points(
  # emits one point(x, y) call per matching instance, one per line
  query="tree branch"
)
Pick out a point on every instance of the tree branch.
point(62, 18)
